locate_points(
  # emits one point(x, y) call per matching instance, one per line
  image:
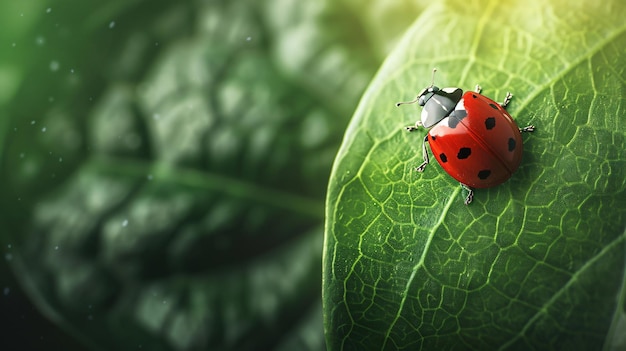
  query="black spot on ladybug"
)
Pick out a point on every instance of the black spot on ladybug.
point(511, 144)
point(464, 153)
point(460, 114)
point(490, 122)
point(453, 121)
point(433, 138)
point(443, 158)
point(493, 106)
point(474, 96)
point(455, 117)
point(484, 174)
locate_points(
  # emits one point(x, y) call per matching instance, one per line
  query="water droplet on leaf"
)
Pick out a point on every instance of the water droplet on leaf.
point(54, 66)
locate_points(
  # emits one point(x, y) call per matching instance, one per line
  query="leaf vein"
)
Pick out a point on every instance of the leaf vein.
point(570, 282)
point(214, 182)
point(586, 56)
point(420, 263)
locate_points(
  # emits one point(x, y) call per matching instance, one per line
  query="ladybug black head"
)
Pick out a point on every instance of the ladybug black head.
point(438, 103)
point(426, 94)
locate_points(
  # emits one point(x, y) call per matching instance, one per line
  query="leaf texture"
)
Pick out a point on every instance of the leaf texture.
point(535, 263)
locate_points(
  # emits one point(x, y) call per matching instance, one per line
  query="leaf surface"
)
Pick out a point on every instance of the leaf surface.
point(535, 263)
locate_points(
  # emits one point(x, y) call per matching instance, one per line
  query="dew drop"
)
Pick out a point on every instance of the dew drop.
point(6, 291)
point(54, 66)
point(48, 10)
point(125, 223)
point(111, 24)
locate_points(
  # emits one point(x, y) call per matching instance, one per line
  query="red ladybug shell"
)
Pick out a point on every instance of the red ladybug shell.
point(479, 143)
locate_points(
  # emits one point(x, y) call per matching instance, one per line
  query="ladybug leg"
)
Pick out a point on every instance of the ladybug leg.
point(421, 167)
point(470, 194)
point(507, 99)
point(529, 128)
point(478, 88)
point(415, 127)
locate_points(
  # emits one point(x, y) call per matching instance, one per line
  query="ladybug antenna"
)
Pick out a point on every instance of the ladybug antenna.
point(408, 102)
point(432, 80)
point(432, 84)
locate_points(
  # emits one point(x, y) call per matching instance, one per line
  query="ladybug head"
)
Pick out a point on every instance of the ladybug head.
point(437, 103)
point(426, 94)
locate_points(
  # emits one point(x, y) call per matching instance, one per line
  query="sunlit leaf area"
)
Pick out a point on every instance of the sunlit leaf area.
point(536, 263)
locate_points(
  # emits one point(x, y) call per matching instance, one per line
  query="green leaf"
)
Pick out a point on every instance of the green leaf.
point(164, 179)
point(535, 263)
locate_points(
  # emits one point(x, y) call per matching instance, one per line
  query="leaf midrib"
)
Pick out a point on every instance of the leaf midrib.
point(476, 40)
point(420, 262)
point(247, 191)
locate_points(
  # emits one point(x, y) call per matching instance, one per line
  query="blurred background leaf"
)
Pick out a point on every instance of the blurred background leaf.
point(164, 165)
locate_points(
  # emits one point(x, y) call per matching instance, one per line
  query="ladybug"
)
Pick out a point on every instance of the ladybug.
point(473, 138)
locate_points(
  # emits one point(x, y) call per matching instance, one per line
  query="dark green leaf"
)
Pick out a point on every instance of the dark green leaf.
point(164, 166)
point(535, 263)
